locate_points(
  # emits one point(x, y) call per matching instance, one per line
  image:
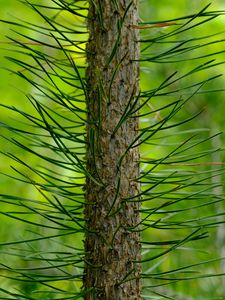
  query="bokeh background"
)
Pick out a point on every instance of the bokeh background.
point(211, 121)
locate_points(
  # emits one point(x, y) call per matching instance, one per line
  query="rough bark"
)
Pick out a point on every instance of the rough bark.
point(112, 215)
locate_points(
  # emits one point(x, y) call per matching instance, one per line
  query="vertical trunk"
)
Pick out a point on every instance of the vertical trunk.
point(112, 216)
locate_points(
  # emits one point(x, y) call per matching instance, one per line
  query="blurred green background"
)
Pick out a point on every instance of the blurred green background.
point(13, 89)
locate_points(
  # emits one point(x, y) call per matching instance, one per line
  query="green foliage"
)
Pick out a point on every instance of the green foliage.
point(181, 184)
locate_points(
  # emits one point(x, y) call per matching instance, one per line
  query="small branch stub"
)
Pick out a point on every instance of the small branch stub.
point(157, 25)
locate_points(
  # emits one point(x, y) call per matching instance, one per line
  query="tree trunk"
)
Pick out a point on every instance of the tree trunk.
point(112, 244)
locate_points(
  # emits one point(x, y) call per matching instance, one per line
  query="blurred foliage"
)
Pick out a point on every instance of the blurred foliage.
point(211, 120)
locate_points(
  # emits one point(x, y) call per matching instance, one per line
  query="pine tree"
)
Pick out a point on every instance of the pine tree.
point(113, 240)
point(107, 208)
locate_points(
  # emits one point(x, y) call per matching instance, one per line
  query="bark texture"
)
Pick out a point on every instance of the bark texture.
point(112, 242)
